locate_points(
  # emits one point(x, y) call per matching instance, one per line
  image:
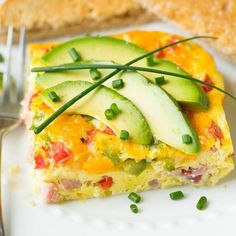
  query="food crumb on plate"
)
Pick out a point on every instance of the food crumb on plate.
point(32, 203)
point(14, 169)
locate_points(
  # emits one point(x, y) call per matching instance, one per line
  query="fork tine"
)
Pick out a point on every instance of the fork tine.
point(20, 82)
point(6, 77)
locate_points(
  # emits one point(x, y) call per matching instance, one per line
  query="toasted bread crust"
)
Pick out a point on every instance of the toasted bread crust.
point(45, 19)
point(212, 17)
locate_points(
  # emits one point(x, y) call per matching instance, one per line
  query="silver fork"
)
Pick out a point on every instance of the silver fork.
point(9, 98)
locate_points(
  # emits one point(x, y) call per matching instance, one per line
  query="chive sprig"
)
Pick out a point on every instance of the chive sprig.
point(126, 67)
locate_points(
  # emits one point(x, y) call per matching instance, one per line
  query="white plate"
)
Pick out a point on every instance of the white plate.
point(26, 215)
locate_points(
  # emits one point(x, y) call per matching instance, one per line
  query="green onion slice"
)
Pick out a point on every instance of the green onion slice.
point(124, 135)
point(53, 96)
point(151, 61)
point(160, 80)
point(177, 195)
point(134, 208)
point(74, 54)
point(202, 203)
point(109, 114)
point(187, 139)
point(118, 84)
point(95, 74)
point(115, 108)
point(134, 197)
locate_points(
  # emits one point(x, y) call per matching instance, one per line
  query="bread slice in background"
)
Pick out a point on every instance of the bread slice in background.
point(45, 19)
point(201, 17)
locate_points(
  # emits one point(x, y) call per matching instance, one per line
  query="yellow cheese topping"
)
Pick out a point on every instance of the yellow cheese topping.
point(69, 129)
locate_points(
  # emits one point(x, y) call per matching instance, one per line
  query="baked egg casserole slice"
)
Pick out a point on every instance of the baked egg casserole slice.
point(138, 131)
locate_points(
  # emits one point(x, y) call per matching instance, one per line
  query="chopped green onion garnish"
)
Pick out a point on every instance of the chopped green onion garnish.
point(74, 54)
point(124, 135)
point(187, 139)
point(95, 74)
point(118, 84)
point(169, 165)
point(1, 58)
point(109, 114)
point(160, 80)
point(202, 203)
point(134, 208)
point(134, 197)
point(151, 61)
point(176, 195)
point(53, 96)
point(112, 112)
point(115, 108)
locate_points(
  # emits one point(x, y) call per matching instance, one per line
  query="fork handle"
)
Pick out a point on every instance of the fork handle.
point(2, 232)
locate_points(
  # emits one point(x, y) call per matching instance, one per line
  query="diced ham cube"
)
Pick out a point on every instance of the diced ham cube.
point(52, 194)
point(70, 184)
point(194, 174)
point(153, 183)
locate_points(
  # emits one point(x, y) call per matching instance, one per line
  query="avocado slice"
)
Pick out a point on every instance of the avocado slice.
point(184, 91)
point(167, 122)
point(95, 104)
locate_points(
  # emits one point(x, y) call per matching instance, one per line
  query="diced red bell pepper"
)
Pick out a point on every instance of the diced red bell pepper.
point(215, 131)
point(160, 54)
point(40, 162)
point(108, 130)
point(59, 152)
point(209, 81)
point(106, 182)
